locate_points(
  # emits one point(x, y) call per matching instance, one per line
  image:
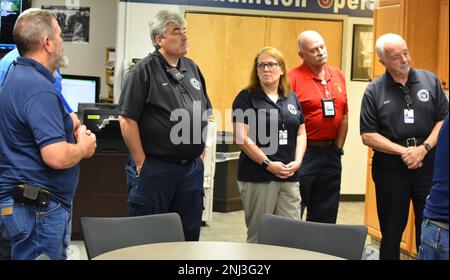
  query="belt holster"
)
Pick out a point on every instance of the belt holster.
point(31, 195)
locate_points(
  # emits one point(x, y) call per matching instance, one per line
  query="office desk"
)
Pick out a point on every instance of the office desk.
point(211, 250)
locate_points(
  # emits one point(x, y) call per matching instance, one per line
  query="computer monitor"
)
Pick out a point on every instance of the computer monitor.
point(78, 89)
point(9, 12)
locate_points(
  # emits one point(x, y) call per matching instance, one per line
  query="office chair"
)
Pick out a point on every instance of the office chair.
point(345, 241)
point(102, 235)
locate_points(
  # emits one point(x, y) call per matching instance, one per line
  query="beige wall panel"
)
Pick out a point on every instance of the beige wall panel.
point(387, 19)
point(209, 53)
point(283, 33)
point(224, 47)
point(421, 34)
point(243, 38)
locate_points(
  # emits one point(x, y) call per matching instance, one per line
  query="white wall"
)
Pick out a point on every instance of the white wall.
point(133, 37)
point(354, 161)
point(89, 59)
point(135, 42)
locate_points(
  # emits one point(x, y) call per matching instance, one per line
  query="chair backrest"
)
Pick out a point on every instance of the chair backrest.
point(345, 241)
point(102, 235)
point(42, 257)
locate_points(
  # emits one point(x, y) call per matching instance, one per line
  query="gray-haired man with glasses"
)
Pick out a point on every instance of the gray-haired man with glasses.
point(163, 174)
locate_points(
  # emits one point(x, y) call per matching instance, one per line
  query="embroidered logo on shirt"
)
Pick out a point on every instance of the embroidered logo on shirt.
point(386, 101)
point(338, 86)
point(292, 109)
point(195, 83)
point(423, 95)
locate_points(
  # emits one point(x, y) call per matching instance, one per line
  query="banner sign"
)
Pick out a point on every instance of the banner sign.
point(353, 8)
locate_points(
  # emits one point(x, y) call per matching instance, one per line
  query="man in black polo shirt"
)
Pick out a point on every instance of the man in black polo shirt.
point(401, 114)
point(163, 111)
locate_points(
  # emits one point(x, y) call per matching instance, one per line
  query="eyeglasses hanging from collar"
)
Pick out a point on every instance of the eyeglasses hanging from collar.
point(407, 95)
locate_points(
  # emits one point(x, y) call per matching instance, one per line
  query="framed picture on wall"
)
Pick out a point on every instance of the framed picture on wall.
point(74, 22)
point(362, 52)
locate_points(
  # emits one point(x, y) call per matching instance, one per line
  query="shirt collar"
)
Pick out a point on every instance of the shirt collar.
point(260, 94)
point(36, 65)
point(180, 66)
point(412, 78)
point(309, 74)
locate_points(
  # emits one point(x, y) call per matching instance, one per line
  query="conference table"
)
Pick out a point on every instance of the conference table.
point(212, 250)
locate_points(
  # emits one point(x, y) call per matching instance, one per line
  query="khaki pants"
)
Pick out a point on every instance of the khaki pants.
point(279, 198)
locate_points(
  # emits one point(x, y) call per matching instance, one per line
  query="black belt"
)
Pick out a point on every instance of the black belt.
point(409, 142)
point(320, 144)
point(177, 161)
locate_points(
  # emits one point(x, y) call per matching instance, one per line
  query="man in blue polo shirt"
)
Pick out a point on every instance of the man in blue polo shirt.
point(39, 155)
point(5, 64)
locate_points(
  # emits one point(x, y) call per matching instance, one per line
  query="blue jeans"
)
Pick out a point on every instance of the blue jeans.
point(34, 230)
point(434, 242)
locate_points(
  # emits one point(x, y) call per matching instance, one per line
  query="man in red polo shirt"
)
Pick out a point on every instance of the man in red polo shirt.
point(322, 95)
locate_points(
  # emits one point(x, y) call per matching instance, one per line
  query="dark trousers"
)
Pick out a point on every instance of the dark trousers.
point(5, 249)
point(320, 183)
point(164, 187)
point(395, 187)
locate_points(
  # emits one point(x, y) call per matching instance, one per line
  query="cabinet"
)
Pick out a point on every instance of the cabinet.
point(424, 25)
point(226, 193)
point(110, 63)
point(102, 189)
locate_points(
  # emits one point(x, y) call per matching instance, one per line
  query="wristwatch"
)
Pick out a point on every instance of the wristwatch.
point(265, 163)
point(427, 146)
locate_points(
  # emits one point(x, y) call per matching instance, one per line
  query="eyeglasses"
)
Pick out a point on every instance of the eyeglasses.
point(270, 65)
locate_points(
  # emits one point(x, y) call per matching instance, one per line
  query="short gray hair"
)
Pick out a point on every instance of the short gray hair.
point(30, 28)
point(159, 23)
point(386, 39)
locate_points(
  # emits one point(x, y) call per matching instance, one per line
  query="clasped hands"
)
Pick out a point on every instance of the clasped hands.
point(282, 170)
point(412, 157)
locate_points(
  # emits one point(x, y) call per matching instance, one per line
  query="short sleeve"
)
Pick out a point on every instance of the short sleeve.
point(299, 107)
point(44, 116)
point(369, 118)
point(345, 109)
point(442, 102)
point(240, 105)
point(135, 91)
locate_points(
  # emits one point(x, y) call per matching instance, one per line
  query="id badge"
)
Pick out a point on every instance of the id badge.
point(283, 137)
point(328, 108)
point(409, 115)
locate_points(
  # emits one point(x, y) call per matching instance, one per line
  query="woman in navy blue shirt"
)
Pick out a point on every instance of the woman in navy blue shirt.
point(269, 128)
